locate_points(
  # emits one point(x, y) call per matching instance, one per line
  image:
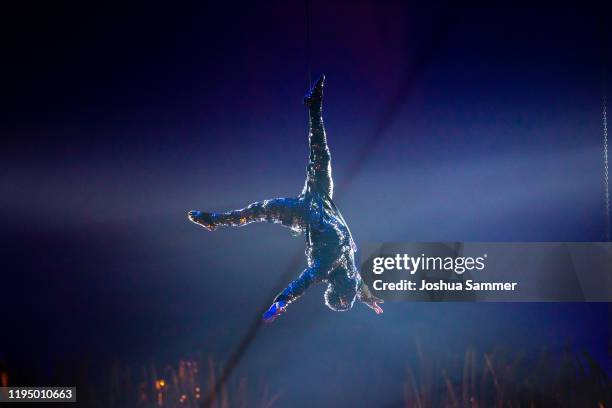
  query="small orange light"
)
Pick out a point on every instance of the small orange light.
point(159, 384)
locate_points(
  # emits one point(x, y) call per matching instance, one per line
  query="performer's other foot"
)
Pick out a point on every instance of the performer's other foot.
point(314, 97)
point(274, 311)
point(203, 219)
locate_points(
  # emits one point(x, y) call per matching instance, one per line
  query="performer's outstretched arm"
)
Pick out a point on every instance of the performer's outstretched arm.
point(285, 211)
point(319, 175)
point(292, 292)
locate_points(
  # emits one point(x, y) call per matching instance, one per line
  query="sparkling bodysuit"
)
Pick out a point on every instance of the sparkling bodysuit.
point(330, 249)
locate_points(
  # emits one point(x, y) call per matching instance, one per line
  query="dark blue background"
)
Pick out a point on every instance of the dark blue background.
point(447, 122)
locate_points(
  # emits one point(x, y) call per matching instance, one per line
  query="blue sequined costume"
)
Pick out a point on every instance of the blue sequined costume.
point(330, 249)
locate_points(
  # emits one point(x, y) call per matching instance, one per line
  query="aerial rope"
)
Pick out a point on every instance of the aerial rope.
point(308, 43)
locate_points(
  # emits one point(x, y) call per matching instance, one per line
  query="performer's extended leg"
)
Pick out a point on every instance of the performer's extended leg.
point(292, 292)
point(285, 211)
point(319, 174)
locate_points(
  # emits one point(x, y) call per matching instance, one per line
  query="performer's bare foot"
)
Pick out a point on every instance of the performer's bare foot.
point(203, 219)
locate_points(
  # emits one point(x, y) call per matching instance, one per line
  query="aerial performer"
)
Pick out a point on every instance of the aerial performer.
point(330, 249)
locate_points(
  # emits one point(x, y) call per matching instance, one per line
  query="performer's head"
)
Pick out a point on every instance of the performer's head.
point(341, 291)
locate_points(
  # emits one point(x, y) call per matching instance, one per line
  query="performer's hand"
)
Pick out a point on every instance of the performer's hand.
point(369, 299)
point(203, 219)
point(372, 302)
point(274, 311)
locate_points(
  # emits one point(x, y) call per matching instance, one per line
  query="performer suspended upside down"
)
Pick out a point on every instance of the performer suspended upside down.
point(330, 249)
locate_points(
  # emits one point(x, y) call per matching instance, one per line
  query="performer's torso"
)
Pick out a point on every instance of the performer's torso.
point(327, 235)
